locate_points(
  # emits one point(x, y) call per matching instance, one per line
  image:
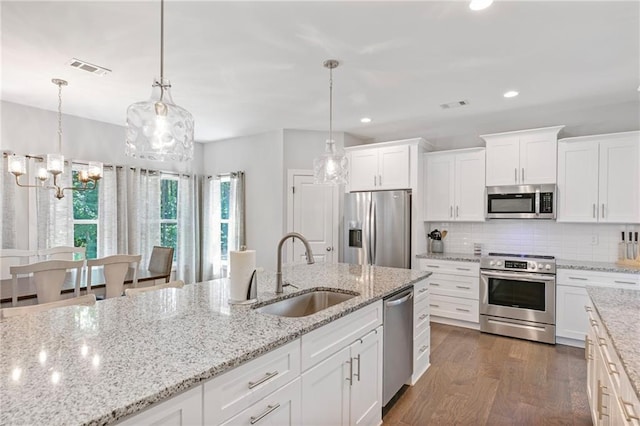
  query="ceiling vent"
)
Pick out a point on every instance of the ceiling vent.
point(86, 66)
point(456, 104)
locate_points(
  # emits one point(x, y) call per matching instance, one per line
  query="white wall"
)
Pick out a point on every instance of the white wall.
point(592, 242)
point(261, 158)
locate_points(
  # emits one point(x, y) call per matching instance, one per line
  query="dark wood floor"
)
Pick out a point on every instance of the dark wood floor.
point(482, 379)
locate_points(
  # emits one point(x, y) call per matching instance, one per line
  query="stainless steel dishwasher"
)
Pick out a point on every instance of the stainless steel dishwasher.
point(398, 342)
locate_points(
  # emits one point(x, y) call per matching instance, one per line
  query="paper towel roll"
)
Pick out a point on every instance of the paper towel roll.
point(241, 266)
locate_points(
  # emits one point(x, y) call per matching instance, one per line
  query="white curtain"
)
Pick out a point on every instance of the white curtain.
point(207, 235)
point(237, 236)
point(187, 258)
point(108, 202)
point(8, 237)
point(143, 212)
point(55, 217)
point(214, 229)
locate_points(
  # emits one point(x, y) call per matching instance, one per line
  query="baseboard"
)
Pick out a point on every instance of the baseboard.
point(457, 323)
point(416, 376)
point(570, 342)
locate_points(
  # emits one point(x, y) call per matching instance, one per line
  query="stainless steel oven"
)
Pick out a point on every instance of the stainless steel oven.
point(521, 202)
point(518, 296)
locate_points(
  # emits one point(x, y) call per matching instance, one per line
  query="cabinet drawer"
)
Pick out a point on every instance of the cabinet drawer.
point(420, 317)
point(227, 395)
point(450, 267)
point(455, 285)
point(579, 278)
point(453, 307)
point(181, 410)
point(326, 340)
point(421, 346)
point(282, 407)
point(420, 290)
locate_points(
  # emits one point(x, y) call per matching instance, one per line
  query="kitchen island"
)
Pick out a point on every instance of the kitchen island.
point(97, 365)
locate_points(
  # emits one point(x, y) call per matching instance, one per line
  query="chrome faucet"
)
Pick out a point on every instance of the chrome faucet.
point(309, 255)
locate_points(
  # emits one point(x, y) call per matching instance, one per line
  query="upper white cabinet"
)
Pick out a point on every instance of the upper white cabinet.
point(380, 168)
point(523, 157)
point(599, 178)
point(454, 185)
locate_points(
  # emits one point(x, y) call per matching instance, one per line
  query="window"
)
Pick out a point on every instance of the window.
point(85, 218)
point(225, 190)
point(169, 214)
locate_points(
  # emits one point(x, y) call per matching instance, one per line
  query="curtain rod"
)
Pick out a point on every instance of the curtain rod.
point(227, 174)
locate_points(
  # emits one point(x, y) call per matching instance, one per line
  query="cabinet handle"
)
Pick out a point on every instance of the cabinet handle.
point(600, 394)
point(380, 180)
point(423, 316)
point(266, 377)
point(375, 180)
point(358, 373)
point(588, 308)
point(463, 287)
point(423, 348)
point(594, 323)
point(435, 284)
point(462, 310)
point(515, 175)
point(463, 269)
point(432, 266)
point(457, 214)
point(434, 306)
point(603, 210)
point(612, 369)
point(270, 409)
point(450, 211)
point(422, 290)
point(350, 378)
point(601, 341)
point(627, 415)
point(587, 342)
point(624, 282)
point(523, 175)
point(578, 278)
point(594, 210)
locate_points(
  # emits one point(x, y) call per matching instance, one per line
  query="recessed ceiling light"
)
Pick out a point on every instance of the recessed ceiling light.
point(480, 4)
point(511, 94)
point(365, 120)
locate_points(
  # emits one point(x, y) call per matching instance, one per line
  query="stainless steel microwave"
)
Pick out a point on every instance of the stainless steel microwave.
point(521, 202)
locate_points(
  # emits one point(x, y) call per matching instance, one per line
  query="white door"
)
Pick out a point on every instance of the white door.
point(503, 161)
point(578, 181)
point(393, 167)
point(620, 180)
point(366, 389)
point(439, 186)
point(363, 168)
point(325, 391)
point(538, 159)
point(469, 187)
point(313, 217)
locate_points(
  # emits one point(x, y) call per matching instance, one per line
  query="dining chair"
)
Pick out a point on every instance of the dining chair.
point(62, 253)
point(170, 284)
point(115, 272)
point(48, 276)
point(161, 261)
point(86, 300)
point(13, 257)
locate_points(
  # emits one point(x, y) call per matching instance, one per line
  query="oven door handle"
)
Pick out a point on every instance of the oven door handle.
point(518, 276)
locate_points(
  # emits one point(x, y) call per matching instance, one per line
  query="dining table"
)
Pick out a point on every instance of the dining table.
point(27, 286)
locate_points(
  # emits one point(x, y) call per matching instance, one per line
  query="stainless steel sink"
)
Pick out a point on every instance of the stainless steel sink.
point(305, 304)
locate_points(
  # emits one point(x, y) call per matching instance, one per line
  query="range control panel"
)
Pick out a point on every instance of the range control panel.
point(519, 263)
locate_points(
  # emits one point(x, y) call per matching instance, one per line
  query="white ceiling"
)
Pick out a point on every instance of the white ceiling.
point(247, 67)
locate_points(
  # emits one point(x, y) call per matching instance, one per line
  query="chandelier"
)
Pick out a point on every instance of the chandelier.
point(332, 166)
point(158, 129)
point(54, 163)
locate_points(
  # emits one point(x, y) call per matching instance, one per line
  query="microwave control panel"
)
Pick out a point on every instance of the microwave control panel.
point(546, 202)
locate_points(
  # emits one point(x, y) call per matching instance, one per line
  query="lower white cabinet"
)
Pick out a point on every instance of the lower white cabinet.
point(571, 297)
point(346, 388)
point(281, 408)
point(181, 410)
point(421, 329)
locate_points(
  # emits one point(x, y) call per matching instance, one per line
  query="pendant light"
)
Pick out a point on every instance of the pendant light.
point(54, 163)
point(158, 129)
point(332, 166)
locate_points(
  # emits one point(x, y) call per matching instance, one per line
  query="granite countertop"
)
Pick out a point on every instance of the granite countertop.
point(97, 364)
point(456, 257)
point(618, 309)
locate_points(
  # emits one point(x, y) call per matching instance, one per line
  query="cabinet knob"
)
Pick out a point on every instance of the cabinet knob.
point(329, 248)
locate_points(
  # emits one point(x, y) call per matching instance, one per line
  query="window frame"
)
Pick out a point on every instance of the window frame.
point(75, 168)
point(162, 221)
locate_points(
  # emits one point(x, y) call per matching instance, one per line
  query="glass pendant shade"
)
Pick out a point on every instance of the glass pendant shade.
point(158, 129)
point(17, 164)
point(55, 163)
point(332, 167)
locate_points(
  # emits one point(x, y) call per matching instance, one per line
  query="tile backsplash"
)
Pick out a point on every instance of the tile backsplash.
point(593, 242)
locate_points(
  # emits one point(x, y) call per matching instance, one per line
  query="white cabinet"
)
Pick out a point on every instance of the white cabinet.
point(454, 185)
point(346, 388)
point(522, 157)
point(181, 410)
point(599, 178)
point(421, 329)
point(571, 297)
point(379, 168)
point(454, 292)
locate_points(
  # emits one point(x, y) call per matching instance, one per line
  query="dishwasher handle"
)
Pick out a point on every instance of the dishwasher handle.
point(402, 298)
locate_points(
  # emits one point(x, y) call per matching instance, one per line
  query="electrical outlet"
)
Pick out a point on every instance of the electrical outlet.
point(594, 240)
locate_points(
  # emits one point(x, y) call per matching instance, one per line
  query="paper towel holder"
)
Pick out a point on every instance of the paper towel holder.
point(252, 291)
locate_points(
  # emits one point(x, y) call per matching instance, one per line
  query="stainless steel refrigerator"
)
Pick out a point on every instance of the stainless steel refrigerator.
point(376, 228)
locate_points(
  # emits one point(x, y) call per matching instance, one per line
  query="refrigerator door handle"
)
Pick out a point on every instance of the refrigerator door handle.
point(373, 232)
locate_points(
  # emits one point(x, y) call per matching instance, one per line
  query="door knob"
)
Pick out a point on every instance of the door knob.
point(329, 248)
